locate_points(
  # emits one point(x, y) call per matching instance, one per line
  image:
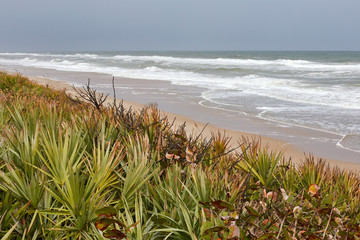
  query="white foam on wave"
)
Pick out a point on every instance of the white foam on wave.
point(282, 89)
point(57, 55)
point(20, 54)
point(280, 64)
point(204, 61)
point(223, 62)
point(230, 63)
point(291, 90)
point(203, 103)
point(262, 116)
point(349, 142)
point(153, 69)
point(149, 73)
point(297, 91)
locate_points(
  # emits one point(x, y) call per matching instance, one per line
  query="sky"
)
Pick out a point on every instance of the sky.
point(120, 25)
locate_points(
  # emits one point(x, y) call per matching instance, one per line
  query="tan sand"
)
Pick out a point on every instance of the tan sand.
point(297, 155)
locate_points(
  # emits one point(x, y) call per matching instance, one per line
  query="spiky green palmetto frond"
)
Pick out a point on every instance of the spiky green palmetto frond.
point(137, 170)
point(85, 187)
point(262, 165)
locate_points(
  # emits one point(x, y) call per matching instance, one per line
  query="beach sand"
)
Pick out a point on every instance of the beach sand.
point(195, 127)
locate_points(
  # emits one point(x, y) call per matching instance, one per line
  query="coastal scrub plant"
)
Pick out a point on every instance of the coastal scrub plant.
point(89, 169)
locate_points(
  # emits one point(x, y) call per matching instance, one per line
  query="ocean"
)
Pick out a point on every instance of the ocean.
point(312, 90)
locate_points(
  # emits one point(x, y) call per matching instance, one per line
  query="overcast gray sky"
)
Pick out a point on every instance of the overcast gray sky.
point(85, 25)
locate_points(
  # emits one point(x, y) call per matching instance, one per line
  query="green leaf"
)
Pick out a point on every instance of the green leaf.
point(215, 229)
point(106, 212)
point(252, 211)
point(266, 236)
point(312, 236)
point(205, 226)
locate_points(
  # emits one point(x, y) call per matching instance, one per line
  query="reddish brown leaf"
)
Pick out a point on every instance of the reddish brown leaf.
point(265, 222)
point(219, 204)
point(114, 234)
point(103, 223)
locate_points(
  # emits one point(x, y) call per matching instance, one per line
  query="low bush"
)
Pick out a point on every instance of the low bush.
point(79, 170)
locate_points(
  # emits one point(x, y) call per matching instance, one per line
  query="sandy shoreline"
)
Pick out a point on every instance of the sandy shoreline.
point(290, 151)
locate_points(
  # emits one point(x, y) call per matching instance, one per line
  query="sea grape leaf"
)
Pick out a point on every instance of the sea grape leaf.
point(103, 223)
point(205, 226)
point(243, 235)
point(106, 212)
point(215, 229)
point(252, 211)
point(114, 234)
point(273, 228)
point(220, 204)
point(253, 220)
point(312, 236)
point(266, 222)
point(266, 236)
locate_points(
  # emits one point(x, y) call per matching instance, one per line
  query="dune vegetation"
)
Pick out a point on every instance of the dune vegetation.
point(81, 169)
